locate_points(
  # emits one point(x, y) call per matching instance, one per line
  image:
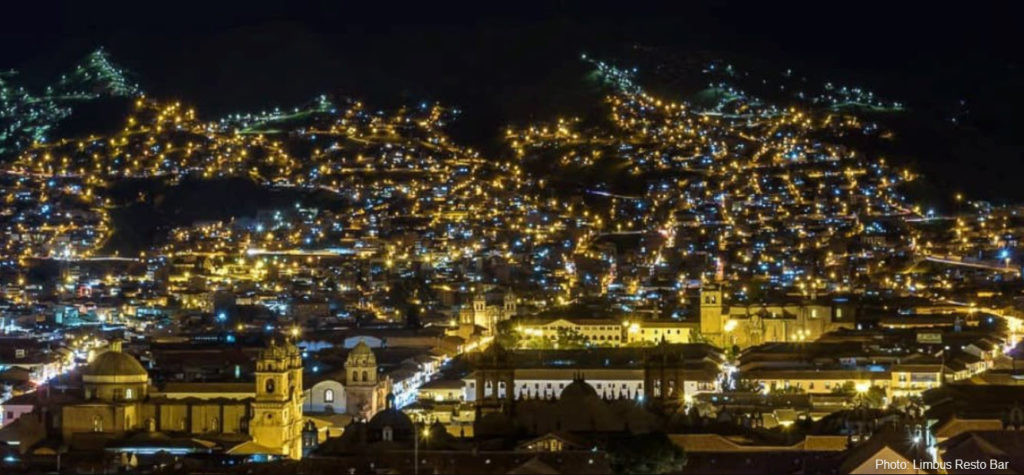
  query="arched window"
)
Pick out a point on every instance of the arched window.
point(97, 424)
point(128, 393)
point(365, 376)
point(269, 386)
point(355, 376)
point(328, 395)
point(387, 434)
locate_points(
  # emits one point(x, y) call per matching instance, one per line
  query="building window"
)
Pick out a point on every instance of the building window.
point(328, 395)
point(97, 424)
point(128, 393)
point(269, 386)
point(366, 377)
point(387, 434)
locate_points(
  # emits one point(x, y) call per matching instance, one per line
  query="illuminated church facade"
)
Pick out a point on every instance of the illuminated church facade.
point(117, 403)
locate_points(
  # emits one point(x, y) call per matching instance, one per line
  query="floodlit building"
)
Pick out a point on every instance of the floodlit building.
point(119, 406)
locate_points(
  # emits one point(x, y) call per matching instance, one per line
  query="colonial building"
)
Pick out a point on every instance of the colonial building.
point(577, 404)
point(607, 331)
point(754, 324)
point(487, 314)
point(117, 403)
point(359, 390)
point(632, 374)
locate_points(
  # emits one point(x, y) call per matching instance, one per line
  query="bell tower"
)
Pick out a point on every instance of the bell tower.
point(664, 377)
point(361, 382)
point(712, 322)
point(277, 408)
point(480, 309)
point(510, 305)
point(495, 381)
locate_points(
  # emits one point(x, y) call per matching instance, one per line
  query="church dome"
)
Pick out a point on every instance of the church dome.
point(361, 355)
point(115, 364)
point(578, 391)
point(391, 419)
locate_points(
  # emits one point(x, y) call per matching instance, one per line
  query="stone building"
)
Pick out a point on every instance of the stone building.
point(487, 313)
point(359, 390)
point(117, 403)
point(770, 322)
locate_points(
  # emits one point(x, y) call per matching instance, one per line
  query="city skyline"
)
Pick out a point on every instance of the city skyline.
point(569, 239)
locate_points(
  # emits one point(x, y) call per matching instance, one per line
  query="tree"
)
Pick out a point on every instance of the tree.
point(568, 338)
point(697, 337)
point(874, 396)
point(508, 339)
point(646, 453)
point(846, 388)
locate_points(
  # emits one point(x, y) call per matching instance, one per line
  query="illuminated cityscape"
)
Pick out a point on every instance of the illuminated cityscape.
point(649, 257)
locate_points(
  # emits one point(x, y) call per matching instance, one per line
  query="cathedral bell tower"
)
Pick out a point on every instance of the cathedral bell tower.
point(277, 408)
point(712, 320)
point(664, 377)
point(495, 381)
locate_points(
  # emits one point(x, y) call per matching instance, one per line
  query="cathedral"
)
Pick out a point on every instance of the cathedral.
point(753, 324)
point(578, 407)
point(117, 405)
point(487, 313)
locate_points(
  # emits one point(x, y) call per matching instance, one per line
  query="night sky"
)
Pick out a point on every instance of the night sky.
point(503, 62)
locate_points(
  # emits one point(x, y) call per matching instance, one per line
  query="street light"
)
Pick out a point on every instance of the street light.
point(416, 446)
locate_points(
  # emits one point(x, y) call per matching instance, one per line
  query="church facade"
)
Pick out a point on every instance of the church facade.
point(487, 314)
point(117, 402)
point(359, 390)
point(754, 324)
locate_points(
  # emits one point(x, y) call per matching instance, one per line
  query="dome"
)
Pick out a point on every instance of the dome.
point(393, 419)
point(578, 391)
point(113, 363)
point(361, 355)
